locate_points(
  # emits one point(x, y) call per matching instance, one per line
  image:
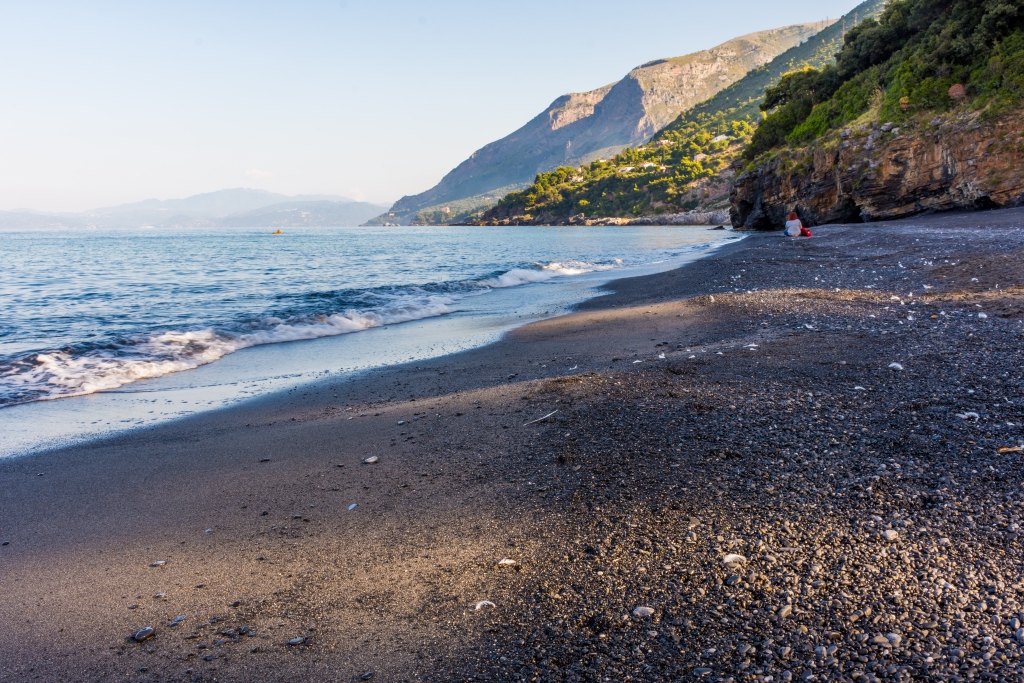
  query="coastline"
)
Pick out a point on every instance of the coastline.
point(469, 321)
point(596, 505)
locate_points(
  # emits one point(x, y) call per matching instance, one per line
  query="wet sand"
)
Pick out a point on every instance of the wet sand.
point(797, 453)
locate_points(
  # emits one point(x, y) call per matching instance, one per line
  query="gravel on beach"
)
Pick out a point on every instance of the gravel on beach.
point(802, 464)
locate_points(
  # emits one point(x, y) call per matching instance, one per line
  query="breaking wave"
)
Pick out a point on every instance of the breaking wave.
point(87, 368)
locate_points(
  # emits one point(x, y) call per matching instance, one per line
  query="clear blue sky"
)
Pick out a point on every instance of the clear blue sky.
point(109, 102)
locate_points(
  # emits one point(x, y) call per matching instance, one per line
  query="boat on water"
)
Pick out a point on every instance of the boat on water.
point(277, 232)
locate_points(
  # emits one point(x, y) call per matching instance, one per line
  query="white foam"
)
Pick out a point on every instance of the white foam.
point(59, 374)
point(522, 276)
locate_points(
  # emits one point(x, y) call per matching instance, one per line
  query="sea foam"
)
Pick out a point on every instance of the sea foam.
point(64, 373)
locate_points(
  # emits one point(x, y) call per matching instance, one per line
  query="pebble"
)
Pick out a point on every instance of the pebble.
point(352, 507)
point(890, 535)
point(643, 612)
point(158, 563)
point(369, 674)
point(144, 634)
point(296, 641)
point(372, 459)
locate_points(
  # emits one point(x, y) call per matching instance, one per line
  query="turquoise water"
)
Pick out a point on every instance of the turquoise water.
point(143, 311)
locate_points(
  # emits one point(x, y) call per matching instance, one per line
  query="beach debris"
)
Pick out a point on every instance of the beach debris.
point(637, 361)
point(507, 563)
point(895, 366)
point(352, 507)
point(483, 603)
point(733, 558)
point(890, 535)
point(691, 357)
point(1010, 449)
point(158, 563)
point(540, 419)
point(297, 641)
point(577, 367)
point(859, 388)
point(144, 634)
point(661, 356)
point(372, 459)
point(643, 612)
point(809, 326)
point(969, 416)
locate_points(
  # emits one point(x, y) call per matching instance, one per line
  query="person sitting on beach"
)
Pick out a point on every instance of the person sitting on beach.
point(793, 225)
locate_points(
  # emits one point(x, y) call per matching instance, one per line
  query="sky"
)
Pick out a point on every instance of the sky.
point(103, 103)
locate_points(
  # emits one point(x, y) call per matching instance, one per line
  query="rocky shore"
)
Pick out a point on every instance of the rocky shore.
point(875, 172)
point(792, 460)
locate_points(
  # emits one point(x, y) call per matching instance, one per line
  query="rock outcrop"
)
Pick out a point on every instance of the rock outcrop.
point(871, 173)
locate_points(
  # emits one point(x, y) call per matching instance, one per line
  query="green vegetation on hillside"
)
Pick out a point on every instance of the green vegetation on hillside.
point(686, 166)
point(920, 56)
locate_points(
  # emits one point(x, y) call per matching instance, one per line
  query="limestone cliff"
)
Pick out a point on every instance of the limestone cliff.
point(581, 127)
point(871, 172)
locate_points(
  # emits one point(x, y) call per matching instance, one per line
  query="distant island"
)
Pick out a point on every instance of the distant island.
point(239, 207)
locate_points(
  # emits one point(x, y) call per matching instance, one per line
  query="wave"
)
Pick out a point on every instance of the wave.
point(89, 368)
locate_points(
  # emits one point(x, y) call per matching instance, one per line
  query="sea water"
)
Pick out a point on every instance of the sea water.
point(135, 327)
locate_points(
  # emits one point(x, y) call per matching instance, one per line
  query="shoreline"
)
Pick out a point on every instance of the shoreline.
point(630, 495)
point(268, 369)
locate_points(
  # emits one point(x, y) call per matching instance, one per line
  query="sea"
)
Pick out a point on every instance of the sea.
point(103, 331)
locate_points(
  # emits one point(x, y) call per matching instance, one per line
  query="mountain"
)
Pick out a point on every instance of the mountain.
point(687, 165)
point(239, 207)
point(580, 127)
point(297, 214)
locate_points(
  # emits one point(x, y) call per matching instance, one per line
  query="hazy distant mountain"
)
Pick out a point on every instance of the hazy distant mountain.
point(219, 203)
point(581, 127)
point(239, 207)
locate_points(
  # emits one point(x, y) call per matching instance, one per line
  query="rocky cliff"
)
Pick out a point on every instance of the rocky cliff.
point(581, 127)
point(871, 172)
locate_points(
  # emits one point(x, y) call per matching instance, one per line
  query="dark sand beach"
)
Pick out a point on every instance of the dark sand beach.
point(806, 486)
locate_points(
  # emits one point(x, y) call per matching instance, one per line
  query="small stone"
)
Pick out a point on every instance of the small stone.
point(158, 563)
point(890, 535)
point(352, 507)
point(5, 543)
point(144, 634)
point(160, 596)
point(264, 459)
point(732, 558)
point(785, 611)
point(895, 639)
point(296, 641)
point(369, 674)
point(895, 366)
point(507, 563)
point(643, 612)
point(372, 459)
point(701, 671)
point(236, 603)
